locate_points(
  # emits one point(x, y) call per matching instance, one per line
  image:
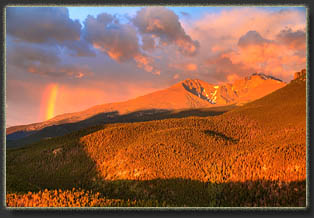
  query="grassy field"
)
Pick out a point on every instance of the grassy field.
point(253, 155)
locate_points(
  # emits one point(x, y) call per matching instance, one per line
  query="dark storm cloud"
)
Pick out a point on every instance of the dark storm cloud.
point(252, 38)
point(294, 39)
point(47, 25)
point(79, 48)
point(288, 37)
point(24, 54)
point(42, 60)
point(164, 23)
point(119, 41)
point(42, 24)
point(148, 43)
point(221, 67)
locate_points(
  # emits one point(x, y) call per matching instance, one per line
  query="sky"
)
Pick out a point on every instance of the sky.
point(67, 59)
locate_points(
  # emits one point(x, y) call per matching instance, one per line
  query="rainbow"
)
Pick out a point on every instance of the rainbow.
point(49, 98)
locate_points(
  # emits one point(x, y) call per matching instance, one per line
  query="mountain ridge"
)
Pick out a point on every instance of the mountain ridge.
point(187, 94)
point(269, 138)
point(253, 155)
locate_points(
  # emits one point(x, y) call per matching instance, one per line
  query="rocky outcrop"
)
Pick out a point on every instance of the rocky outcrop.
point(239, 92)
point(300, 75)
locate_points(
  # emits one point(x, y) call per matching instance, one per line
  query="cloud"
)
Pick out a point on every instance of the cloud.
point(185, 14)
point(24, 54)
point(191, 67)
point(157, 73)
point(42, 24)
point(118, 41)
point(185, 66)
point(272, 57)
point(164, 23)
point(293, 39)
point(42, 60)
point(49, 26)
point(242, 19)
point(79, 48)
point(271, 42)
point(252, 38)
point(148, 43)
point(60, 70)
point(221, 68)
point(144, 62)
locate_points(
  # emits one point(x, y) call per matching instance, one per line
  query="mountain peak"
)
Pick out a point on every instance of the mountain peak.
point(190, 80)
point(187, 94)
point(201, 89)
point(263, 76)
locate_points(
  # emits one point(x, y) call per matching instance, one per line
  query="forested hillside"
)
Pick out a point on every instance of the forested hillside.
point(254, 155)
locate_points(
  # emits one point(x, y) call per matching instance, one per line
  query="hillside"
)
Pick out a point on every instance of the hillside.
point(188, 94)
point(254, 155)
point(22, 138)
point(173, 147)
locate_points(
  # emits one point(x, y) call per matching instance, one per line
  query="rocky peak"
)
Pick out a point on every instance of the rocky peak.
point(300, 75)
point(264, 76)
point(201, 89)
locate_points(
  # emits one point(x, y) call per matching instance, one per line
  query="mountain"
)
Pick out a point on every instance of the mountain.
point(239, 92)
point(252, 155)
point(189, 147)
point(188, 94)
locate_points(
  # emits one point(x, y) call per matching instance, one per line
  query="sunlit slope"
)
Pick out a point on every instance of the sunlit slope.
point(286, 106)
point(187, 94)
point(262, 140)
point(174, 97)
point(234, 159)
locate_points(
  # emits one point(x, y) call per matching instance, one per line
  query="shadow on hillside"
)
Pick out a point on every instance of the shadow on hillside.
point(16, 139)
point(222, 136)
point(73, 168)
point(180, 192)
point(193, 193)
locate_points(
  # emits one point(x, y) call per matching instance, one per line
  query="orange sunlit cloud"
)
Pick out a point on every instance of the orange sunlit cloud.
point(283, 30)
point(144, 62)
point(186, 67)
point(239, 21)
point(191, 67)
point(268, 58)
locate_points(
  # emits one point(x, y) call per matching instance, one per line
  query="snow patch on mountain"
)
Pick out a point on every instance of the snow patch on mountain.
point(210, 99)
point(264, 76)
point(228, 92)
